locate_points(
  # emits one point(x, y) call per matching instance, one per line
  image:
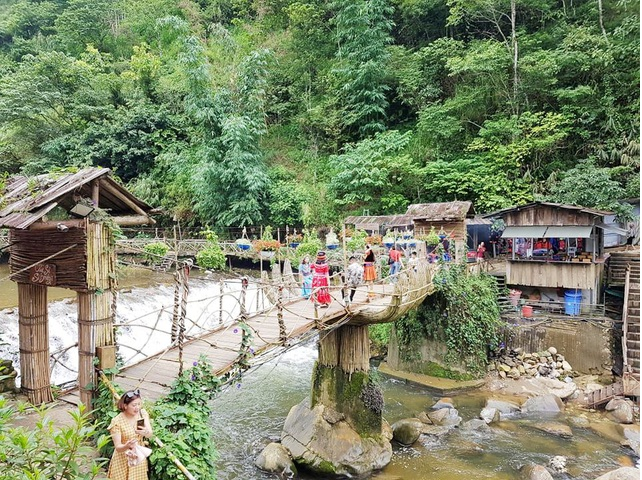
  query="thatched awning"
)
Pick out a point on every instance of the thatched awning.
point(26, 200)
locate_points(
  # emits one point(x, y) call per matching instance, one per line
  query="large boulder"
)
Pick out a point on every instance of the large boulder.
point(332, 448)
point(562, 389)
point(624, 473)
point(631, 437)
point(535, 472)
point(407, 430)
point(503, 406)
point(445, 417)
point(490, 415)
point(275, 458)
point(555, 428)
point(620, 410)
point(544, 403)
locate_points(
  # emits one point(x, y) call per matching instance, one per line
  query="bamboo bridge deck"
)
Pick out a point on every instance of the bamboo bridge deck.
point(154, 375)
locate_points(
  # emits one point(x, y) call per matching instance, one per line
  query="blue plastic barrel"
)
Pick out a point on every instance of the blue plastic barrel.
point(572, 302)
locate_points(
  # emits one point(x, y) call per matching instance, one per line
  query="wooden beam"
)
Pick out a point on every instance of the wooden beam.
point(53, 224)
point(114, 191)
point(133, 220)
point(95, 191)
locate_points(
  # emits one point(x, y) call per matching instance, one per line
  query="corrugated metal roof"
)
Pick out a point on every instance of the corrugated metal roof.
point(439, 211)
point(570, 231)
point(478, 220)
point(532, 231)
point(380, 220)
point(543, 231)
point(592, 211)
point(28, 199)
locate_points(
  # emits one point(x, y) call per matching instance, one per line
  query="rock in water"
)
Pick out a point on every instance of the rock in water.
point(407, 430)
point(332, 449)
point(544, 403)
point(275, 458)
point(535, 472)
point(624, 473)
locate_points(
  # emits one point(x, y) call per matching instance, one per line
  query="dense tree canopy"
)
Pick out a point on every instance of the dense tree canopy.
point(298, 112)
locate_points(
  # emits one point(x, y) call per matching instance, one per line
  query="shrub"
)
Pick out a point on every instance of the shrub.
point(156, 250)
point(45, 451)
point(357, 241)
point(212, 256)
point(181, 421)
point(463, 313)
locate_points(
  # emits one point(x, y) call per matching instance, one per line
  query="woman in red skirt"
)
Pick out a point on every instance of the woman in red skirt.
point(321, 281)
point(369, 269)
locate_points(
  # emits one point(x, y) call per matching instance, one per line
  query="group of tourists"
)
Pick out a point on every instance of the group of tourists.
point(315, 276)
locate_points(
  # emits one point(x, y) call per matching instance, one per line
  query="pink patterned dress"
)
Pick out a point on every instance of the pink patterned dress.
point(320, 275)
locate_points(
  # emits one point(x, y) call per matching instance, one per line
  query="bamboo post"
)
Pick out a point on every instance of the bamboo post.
point(34, 342)
point(95, 309)
point(220, 301)
point(183, 314)
point(282, 333)
point(244, 283)
point(175, 315)
point(95, 329)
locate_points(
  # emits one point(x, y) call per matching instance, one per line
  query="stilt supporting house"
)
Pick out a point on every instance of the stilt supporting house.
point(61, 235)
point(341, 378)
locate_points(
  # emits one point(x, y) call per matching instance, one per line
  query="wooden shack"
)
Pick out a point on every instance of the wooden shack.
point(555, 246)
point(61, 234)
point(379, 224)
point(447, 217)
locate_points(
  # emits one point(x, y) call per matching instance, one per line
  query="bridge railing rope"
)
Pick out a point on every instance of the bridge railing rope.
point(234, 297)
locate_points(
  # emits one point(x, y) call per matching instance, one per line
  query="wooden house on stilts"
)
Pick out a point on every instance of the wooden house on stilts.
point(61, 234)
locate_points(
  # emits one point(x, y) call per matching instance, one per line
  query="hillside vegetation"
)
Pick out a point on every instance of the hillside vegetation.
point(238, 112)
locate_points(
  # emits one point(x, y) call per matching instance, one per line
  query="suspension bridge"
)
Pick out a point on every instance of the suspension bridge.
point(253, 320)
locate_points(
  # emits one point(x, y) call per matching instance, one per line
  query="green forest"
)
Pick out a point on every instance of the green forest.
point(282, 112)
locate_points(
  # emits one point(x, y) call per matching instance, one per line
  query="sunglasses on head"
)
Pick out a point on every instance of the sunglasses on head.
point(132, 393)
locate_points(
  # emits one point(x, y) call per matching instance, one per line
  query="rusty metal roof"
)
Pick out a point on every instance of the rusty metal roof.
point(380, 220)
point(436, 212)
point(26, 200)
point(578, 208)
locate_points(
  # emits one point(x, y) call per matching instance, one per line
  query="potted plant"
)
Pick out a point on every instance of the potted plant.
point(331, 240)
point(432, 240)
point(388, 239)
point(266, 245)
point(374, 239)
point(357, 241)
point(243, 243)
point(266, 248)
point(294, 239)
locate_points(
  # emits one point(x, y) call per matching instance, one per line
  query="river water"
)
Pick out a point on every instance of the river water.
point(247, 416)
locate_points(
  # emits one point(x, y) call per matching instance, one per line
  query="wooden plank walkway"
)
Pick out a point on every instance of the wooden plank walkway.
point(154, 375)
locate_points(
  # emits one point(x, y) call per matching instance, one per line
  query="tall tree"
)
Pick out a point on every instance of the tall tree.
point(363, 34)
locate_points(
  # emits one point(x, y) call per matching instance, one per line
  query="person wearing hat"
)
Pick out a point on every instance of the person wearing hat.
point(369, 269)
point(321, 281)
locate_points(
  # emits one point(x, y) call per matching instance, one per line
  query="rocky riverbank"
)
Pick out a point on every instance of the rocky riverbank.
point(556, 408)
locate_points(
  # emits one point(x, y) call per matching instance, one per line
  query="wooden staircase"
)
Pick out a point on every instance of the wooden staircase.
point(167, 261)
point(625, 267)
point(604, 395)
point(504, 302)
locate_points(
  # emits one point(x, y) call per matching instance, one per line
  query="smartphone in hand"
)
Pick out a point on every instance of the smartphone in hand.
point(140, 423)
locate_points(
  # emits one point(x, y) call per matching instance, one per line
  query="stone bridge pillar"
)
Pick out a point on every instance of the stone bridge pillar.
point(341, 379)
